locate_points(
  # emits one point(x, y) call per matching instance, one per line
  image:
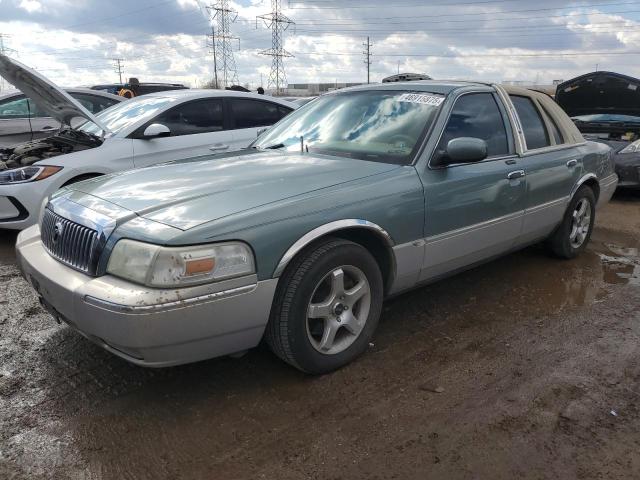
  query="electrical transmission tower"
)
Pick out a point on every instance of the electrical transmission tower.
point(118, 66)
point(367, 57)
point(278, 23)
point(222, 16)
point(211, 43)
point(4, 50)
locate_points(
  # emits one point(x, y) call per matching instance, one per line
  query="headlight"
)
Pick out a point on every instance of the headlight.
point(28, 174)
point(164, 267)
point(631, 148)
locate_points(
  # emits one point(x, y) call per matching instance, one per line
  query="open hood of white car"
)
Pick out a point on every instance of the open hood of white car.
point(46, 94)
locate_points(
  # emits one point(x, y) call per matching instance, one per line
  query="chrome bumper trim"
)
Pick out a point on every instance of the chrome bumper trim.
point(163, 307)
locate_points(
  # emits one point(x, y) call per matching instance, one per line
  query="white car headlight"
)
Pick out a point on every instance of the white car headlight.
point(169, 267)
point(28, 174)
point(633, 147)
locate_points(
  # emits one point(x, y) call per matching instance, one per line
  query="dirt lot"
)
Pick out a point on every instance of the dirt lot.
point(527, 367)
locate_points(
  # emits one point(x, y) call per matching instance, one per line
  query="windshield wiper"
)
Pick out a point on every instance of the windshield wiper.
point(275, 147)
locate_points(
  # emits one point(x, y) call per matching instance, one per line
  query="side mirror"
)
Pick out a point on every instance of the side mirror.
point(466, 150)
point(156, 130)
point(261, 131)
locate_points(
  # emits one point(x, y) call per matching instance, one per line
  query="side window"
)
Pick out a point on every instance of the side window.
point(201, 116)
point(248, 113)
point(477, 115)
point(555, 131)
point(535, 132)
point(94, 103)
point(19, 107)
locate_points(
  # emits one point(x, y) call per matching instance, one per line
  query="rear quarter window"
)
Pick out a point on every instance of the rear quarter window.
point(535, 132)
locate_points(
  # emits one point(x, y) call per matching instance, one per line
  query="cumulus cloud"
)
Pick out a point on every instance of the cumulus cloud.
point(74, 42)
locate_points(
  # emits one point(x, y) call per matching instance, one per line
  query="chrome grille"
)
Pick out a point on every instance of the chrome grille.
point(69, 242)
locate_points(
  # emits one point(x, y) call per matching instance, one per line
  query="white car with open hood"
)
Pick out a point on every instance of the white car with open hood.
point(147, 130)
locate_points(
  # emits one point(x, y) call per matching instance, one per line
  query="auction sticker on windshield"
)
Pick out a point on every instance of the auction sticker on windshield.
point(421, 98)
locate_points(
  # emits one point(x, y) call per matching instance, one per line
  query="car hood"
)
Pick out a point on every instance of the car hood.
point(600, 92)
point(46, 94)
point(191, 192)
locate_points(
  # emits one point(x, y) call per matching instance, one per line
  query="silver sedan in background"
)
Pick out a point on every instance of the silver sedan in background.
point(21, 119)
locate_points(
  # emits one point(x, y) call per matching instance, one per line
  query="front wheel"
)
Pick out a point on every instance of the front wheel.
point(327, 307)
point(574, 233)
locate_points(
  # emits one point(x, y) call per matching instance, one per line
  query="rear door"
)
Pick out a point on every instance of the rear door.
point(473, 211)
point(197, 127)
point(552, 165)
point(248, 117)
point(19, 116)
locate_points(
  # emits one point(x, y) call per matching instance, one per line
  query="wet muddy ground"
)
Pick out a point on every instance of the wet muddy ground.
point(528, 367)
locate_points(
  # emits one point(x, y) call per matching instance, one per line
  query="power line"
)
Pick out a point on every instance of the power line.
point(119, 67)
point(367, 57)
point(344, 5)
point(278, 23)
point(221, 40)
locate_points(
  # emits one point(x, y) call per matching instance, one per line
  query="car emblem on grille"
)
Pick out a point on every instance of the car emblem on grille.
point(57, 232)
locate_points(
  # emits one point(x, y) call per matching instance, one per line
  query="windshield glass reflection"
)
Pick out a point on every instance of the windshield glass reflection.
point(124, 114)
point(381, 125)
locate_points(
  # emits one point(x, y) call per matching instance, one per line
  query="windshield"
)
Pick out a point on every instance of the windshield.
point(126, 113)
point(377, 125)
point(607, 117)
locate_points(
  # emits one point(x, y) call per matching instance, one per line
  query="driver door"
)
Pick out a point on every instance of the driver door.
point(474, 210)
point(197, 130)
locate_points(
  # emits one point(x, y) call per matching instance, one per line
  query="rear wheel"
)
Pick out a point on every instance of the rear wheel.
point(327, 307)
point(574, 233)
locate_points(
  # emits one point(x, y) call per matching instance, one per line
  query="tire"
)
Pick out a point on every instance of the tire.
point(340, 329)
point(571, 238)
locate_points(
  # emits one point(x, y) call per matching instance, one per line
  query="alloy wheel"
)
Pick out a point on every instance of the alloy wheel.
point(581, 223)
point(338, 310)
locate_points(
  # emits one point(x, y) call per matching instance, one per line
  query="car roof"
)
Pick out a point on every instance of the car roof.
point(70, 90)
point(194, 93)
point(443, 87)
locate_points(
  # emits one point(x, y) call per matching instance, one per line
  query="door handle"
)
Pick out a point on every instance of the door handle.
point(219, 147)
point(572, 163)
point(515, 174)
point(46, 127)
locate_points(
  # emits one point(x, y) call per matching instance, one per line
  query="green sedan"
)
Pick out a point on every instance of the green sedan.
point(362, 194)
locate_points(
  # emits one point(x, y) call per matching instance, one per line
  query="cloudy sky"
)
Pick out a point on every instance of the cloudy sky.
point(73, 42)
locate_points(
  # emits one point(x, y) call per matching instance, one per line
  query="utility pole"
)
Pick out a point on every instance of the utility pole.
point(221, 39)
point(119, 67)
point(212, 49)
point(367, 58)
point(278, 23)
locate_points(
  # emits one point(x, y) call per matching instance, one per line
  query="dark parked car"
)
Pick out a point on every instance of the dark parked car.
point(605, 107)
point(141, 88)
point(21, 119)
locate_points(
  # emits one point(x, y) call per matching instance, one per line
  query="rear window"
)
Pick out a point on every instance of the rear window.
point(533, 127)
point(248, 113)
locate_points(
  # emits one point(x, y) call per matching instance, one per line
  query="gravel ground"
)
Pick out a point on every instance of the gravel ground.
point(527, 367)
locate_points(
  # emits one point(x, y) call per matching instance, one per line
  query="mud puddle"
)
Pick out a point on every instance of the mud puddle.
point(509, 370)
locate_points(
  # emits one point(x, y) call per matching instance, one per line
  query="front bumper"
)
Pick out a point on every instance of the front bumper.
point(20, 203)
point(628, 170)
point(149, 327)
